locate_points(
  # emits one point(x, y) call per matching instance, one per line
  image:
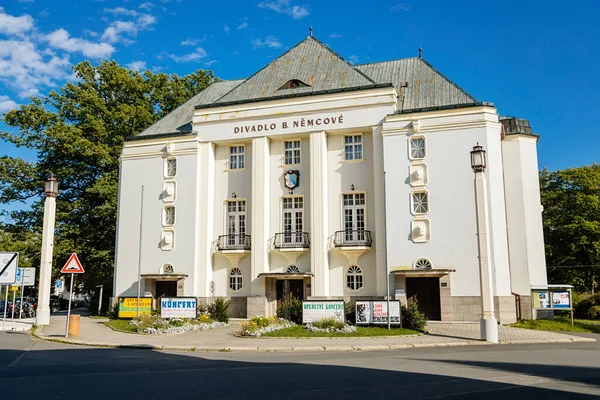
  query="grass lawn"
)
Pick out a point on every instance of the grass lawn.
point(560, 324)
point(361, 331)
point(121, 325)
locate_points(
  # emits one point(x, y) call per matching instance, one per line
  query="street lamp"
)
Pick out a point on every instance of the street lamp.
point(43, 310)
point(488, 322)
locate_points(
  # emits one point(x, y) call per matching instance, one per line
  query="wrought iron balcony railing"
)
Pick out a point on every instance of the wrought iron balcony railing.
point(233, 242)
point(287, 240)
point(353, 238)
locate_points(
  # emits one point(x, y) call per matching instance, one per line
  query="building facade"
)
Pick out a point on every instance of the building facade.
point(317, 179)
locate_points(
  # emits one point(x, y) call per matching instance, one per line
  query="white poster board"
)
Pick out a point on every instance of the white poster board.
point(9, 276)
point(313, 311)
point(178, 307)
point(376, 313)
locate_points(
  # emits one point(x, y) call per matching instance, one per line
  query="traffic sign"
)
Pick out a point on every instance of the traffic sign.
point(58, 284)
point(73, 266)
point(14, 288)
point(9, 263)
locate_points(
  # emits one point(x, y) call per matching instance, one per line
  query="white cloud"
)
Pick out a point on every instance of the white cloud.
point(198, 54)
point(400, 7)
point(209, 63)
point(270, 41)
point(60, 39)
point(335, 36)
point(121, 11)
point(190, 42)
point(123, 31)
point(10, 25)
point(226, 28)
point(6, 104)
point(353, 59)
point(137, 65)
point(242, 25)
point(146, 6)
point(284, 7)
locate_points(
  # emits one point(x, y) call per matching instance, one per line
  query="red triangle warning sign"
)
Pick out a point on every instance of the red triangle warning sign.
point(73, 266)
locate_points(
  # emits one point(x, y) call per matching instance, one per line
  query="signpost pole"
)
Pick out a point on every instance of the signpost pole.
point(69, 309)
point(140, 251)
point(100, 300)
point(22, 290)
point(571, 305)
point(14, 304)
point(5, 304)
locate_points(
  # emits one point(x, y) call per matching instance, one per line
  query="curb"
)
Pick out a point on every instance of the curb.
point(308, 349)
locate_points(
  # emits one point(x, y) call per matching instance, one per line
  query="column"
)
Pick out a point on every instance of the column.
point(381, 267)
point(45, 284)
point(259, 207)
point(318, 214)
point(205, 195)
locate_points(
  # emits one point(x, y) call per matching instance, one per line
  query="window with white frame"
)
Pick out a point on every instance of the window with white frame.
point(420, 202)
point(417, 148)
point(353, 149)
point(237, 157)
point(169, 215)
point(291, 153)
point(235, 279)
point(293, 212)
point(171, 167)
point(354, 278)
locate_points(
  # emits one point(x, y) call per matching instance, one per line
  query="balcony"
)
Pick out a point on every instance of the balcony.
point(291, 240)
point(234, 243)
point(358, 238)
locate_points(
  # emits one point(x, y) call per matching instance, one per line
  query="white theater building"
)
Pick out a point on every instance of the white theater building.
point(317, 179)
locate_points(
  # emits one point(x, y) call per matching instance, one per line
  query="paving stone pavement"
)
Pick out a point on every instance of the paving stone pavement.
point(93, 332)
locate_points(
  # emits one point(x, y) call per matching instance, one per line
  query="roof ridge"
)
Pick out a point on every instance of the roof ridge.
point(448, 79)
point(386, 61)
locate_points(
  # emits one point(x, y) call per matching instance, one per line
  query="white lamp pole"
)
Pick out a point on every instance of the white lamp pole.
point(43, 310)
point(488, 322)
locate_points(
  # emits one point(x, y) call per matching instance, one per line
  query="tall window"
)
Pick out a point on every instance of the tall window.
point(171, 167)
point(353, 147)
point(292, 152)
point(420, 202)
point(236, 222)
point(169, 215)
point(354, 278)
point(354, 217)
point(236, 157)
point(417, 148)
point(293, 210)
point(235, 279)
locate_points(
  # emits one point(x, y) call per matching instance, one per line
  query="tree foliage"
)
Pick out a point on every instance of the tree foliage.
point(77, 133)
point(571, 200)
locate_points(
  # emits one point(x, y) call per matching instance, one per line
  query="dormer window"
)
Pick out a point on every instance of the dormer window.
point(293, 84)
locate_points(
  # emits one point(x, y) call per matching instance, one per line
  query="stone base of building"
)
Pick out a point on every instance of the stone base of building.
point(237, 307)
point(468, 308)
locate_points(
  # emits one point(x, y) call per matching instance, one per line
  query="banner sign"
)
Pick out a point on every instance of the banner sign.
point(313, 311)
point(561, 299)
point(541, 299)
point(376, 312)
point(178, 307)
point(128, 306)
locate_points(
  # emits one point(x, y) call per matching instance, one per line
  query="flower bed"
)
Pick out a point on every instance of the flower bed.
point(330, 325)
point(156, 325)
point(258, 326)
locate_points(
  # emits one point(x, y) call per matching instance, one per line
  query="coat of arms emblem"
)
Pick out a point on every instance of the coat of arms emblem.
point(291, 179)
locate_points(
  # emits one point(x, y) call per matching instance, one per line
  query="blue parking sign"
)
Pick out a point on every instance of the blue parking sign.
point(19, 276)
point(58, 284)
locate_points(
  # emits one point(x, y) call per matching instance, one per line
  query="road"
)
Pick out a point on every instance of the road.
point(32, 369)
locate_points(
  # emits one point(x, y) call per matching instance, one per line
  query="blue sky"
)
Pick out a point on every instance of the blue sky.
point(533, 59)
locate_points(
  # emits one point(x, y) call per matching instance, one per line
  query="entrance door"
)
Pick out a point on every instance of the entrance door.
point(427, 291)
point(354, 217)
point(166, 289)
point(293, 213)
point(288, 289)
point(236, 222)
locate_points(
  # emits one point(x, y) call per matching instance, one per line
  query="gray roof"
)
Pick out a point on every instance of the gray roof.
point(180, 119)
point(419, 85)
point(311, 62)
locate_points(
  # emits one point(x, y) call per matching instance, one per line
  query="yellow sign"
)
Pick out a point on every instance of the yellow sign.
point(14, 288)
point(128, 306)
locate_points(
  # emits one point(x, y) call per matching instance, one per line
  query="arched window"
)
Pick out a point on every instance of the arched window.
point(293, 269)
point(235, 279)
point(422, 263)
point(354, 278)
point(168, 269)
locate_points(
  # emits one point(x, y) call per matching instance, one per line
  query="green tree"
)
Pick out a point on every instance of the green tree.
point(571, 200)
point(77, 133)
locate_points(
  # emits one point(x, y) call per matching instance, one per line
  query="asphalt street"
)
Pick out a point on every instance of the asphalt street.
point(31, 369)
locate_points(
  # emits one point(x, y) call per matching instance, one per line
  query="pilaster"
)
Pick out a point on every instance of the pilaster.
point(259, 208)
point(379, 197)
point(204, 220)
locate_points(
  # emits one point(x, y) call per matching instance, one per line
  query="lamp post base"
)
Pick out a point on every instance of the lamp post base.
point(42, 317)
point(489, 329)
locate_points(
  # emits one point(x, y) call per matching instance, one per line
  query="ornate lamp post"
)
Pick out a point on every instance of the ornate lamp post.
point(43, 310)
point(488, 322)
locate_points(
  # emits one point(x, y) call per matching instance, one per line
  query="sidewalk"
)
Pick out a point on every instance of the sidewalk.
point(93, 332)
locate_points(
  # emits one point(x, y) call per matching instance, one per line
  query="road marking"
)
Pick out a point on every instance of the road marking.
point(12, 364)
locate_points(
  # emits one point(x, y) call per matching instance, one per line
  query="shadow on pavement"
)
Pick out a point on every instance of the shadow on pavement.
point(96, 373)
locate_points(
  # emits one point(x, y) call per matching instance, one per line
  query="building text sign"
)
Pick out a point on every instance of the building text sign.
point(128, 306)
point(313, 311)
point(307, 122)
point(375, 312)
point(178, 307)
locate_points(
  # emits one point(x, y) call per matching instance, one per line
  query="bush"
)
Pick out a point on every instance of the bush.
point(583, 305)
point(113, 312)
point(350, 311)
point(202, 309)
point(328, 323)
point(219, 310)
point(291, 310)
point(261, 322)
point(412, 318)
point(205, 319)
point(594, 312)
